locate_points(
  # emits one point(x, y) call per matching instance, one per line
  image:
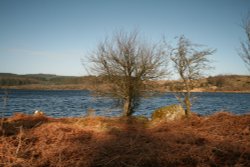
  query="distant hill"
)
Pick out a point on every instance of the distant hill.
point(7, 75)
point(47, 76)
point(216, 83)
point(49, 81)
point(8, 79)
point(228, 82)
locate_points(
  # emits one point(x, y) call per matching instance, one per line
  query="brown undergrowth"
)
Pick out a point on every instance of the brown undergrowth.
point(221, 139)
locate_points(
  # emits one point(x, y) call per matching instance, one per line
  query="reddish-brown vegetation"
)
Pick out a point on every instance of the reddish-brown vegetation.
point(221, 139)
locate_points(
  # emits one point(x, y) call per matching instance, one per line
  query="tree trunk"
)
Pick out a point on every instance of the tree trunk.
point(187, 101)
point(127, 107)
point(188, 105)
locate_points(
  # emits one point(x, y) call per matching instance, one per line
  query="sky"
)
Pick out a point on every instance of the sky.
point(55, 36)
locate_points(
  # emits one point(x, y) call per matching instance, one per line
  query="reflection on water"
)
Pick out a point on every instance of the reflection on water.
point(75, 103)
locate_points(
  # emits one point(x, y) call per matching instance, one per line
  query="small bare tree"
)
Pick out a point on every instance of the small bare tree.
point(190, 64)
point(245, 45)
point(126, 62)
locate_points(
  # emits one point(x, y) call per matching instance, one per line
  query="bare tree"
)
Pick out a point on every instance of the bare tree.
point(126, 62)
point(245, 45)
point(190, 64)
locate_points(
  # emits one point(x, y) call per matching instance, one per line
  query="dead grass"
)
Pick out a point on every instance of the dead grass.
point(221, 139)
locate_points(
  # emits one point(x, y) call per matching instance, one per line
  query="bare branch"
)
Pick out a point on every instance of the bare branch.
point(244, 51)
point(126, 62)
point(190, 63)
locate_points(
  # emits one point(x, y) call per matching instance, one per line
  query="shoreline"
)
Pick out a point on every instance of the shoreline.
point(82, 88)
point(87, 89)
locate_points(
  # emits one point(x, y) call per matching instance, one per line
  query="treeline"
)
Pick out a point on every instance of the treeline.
point(44, 79)
point(212, 83)
point(16, 81)
point(229, 82)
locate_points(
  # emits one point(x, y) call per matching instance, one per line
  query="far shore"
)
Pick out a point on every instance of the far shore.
point(92, 88)
point(220, 83)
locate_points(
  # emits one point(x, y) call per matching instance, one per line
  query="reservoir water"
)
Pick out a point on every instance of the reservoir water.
point(70, 103)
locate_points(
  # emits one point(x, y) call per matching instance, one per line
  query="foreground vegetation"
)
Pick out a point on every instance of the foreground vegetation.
point(219, 83)
point(221, 139)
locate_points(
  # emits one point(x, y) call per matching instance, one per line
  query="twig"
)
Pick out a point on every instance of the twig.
point(20, 140)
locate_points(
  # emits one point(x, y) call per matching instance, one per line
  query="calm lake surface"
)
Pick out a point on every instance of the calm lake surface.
point(75, 103)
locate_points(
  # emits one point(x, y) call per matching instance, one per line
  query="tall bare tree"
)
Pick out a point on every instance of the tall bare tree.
point(126, 62)
point(190, 63)
point(245, 45)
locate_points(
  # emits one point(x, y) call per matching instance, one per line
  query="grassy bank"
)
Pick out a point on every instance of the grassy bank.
point(221, 139)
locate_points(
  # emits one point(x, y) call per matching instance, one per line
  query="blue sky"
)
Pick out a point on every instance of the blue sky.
point(52, 36)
